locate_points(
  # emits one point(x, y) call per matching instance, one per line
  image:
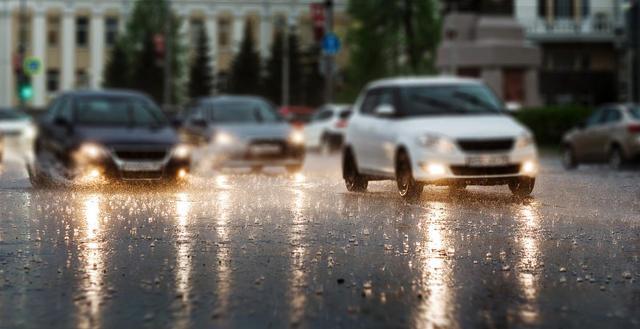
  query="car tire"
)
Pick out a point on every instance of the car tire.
point(616, 158)
point(294, 169)
point(325, 145)
point(37, 179)
point(522, 187)
point(569, 160)
point(352, 179)
point(408, 187)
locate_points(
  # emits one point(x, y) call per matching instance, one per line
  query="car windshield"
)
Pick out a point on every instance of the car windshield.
point(11, 115)
point(345, 114)
point(449, 100)
point(243, 111)
point(635, 112)
point(117, 111)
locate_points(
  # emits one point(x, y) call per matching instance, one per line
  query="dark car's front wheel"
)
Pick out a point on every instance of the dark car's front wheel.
point(522, 187)
point(352, 179)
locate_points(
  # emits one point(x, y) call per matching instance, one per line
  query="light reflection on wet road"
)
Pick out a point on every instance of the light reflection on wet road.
point(274, 251)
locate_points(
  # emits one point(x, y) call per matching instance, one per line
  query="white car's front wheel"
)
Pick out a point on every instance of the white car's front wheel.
point(408, 187)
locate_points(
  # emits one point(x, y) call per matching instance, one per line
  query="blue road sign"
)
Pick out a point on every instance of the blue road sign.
point(32, 66)
point(331, 44)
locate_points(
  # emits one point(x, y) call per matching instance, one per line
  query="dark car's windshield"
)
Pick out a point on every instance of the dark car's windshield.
point(449, 100)
point(635, 112)
point(242, 111)
point(117, 111)
point(10, 115)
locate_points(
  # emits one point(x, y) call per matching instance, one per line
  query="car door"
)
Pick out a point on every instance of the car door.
point(361, 130)
point(383, 136)
point(606, 135)
point(585, 139)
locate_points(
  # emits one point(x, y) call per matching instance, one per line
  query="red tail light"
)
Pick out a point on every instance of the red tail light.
point(341, 124)
point(634, 129)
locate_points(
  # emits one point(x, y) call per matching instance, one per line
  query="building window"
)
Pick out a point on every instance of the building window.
point(53, 31)
point(82, 31)
point(224, 31)
point(542, 8)
point(111, 31)
point(53, 81)
point(197, 26)
point(563, 9)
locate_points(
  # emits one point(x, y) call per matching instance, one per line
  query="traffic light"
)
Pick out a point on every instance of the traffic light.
point(25, 89)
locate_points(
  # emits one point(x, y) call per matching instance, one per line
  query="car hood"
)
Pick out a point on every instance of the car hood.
point(254, 131)
point(460, 127)
point(127, 135)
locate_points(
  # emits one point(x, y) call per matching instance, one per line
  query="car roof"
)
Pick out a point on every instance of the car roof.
point(230, 98)
point(432, 80)
point(105, 92)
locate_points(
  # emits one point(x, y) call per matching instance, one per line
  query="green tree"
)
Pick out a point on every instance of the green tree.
point(390, 38)
point(200, 72)
point(148, 20)
point(116, 73)
point(245, 77)
point(273, 79)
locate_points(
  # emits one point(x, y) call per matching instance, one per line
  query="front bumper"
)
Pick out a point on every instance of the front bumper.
point(242, 157)
point(112, 168)
point(457, 168)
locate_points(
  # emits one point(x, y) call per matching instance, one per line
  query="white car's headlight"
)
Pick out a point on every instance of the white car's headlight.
point(30, 132)
point(525, 140)
point(296, 137)
point(437, 143)
point(182, 151)
point(223, 139)
point(91, 151)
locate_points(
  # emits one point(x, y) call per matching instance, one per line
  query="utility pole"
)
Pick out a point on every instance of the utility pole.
point(286, 69)
point(329, 58)
point(167, 56)
point(22, 49)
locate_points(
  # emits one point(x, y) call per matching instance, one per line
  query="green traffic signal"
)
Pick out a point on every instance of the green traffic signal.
point(25, 92)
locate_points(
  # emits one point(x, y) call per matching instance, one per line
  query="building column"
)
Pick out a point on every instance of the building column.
point(6, 57)
point(212, 32)
point(97, 48)
point(266, 33)
point(238, 30)
point(68, 49)
point(38, 45)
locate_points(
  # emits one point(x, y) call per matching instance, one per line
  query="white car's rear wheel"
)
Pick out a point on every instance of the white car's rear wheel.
point(352, 179)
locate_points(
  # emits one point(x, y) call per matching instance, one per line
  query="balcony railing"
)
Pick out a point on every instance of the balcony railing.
point(588, 27)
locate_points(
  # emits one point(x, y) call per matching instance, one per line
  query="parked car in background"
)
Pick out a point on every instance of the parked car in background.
point(326, 129)
point(99, 137)
point(296, 115)
point(610, 135)
point(1, 148)
point(242, 132)
point(17, 124)
point(439, 131)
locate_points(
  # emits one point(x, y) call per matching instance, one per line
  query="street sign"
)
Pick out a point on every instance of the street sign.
point(32, 66)
point(331, 44)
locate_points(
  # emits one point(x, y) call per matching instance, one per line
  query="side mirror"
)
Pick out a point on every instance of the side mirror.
point(199, 122)
point(61, 122)
point(513, 106)
point(176, 122)
point(384, 110)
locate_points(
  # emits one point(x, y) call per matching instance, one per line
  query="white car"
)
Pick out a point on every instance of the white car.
point(16, 127)
point(439, 131)
point(327, 127)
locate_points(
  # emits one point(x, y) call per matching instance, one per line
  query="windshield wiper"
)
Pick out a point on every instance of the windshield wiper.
point(433, 102)
point(475, 100)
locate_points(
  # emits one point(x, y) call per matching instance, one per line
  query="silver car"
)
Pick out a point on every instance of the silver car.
point(610, 135)
point(241, 132)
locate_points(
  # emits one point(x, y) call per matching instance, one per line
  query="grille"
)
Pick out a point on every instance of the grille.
point(491, 145)
point(142, 175)
point(141, 155)
point(269, 156)
point(485, 171)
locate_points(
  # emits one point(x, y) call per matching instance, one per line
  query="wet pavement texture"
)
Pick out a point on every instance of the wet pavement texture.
point(277, 250)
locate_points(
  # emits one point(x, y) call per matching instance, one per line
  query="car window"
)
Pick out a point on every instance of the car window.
point(346, 114)
point(462, 99)
point(370, 102)
point(10, 115)
point(635, 112)
point(242, 111)
point(65, 110)
point(117, 111)
point(613, 116)
point(323, 116)
point(596, 118)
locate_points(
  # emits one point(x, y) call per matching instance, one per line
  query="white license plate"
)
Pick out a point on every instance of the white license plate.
point(141, 166)
point(265, 149)
point(487, 160)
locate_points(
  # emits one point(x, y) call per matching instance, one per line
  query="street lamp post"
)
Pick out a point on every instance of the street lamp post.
point(167, 55)
point(329, 58)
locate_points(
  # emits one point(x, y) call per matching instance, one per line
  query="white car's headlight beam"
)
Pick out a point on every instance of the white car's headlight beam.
point(182, 151)
point(525, 140)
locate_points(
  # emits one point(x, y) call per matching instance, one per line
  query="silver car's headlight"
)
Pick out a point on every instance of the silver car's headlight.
point(182, 151)
point(437, 143)
point(223, 139)
point(524, 140)
point(296, 137)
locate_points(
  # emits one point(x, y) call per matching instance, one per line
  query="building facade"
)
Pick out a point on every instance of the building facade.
point(73, 38)
point(581, 42)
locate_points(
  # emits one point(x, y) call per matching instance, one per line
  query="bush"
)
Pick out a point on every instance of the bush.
point(550, 123)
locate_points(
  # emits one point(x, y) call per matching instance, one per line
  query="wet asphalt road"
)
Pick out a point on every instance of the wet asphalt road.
point(274, 251)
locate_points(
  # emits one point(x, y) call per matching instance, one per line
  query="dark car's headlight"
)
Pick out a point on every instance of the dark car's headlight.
point(91, 151)
point(182, 151)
